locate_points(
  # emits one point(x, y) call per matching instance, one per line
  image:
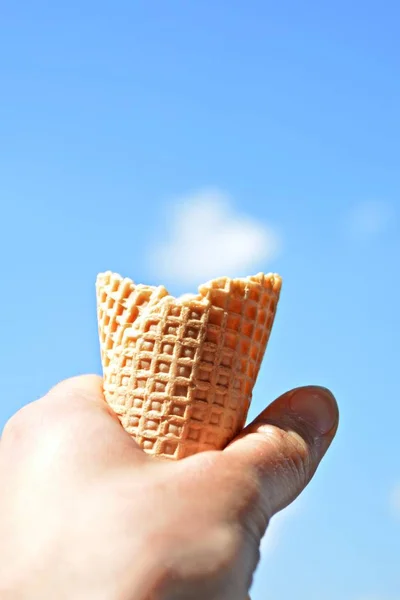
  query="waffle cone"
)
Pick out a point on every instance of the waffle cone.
point(179, 372)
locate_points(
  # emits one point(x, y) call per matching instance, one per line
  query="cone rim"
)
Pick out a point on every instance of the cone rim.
point(272, 281)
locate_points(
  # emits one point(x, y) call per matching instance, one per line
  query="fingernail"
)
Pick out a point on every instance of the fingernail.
point(316, 406)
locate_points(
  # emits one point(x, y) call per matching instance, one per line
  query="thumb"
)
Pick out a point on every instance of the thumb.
point(284, 445)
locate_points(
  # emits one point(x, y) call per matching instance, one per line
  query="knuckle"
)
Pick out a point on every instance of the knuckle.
point(33, 422)
point(87, 387)
point(224, 541)
point(294, 453)
point(19, 424)
point(223, 547)
point(205, 562)
point(296, 457)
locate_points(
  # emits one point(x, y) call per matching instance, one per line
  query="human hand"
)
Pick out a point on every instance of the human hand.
point(85, 514)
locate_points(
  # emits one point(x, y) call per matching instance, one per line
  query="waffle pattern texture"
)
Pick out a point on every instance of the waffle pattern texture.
point(179, 372)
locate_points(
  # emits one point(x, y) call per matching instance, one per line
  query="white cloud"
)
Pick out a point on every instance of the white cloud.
point(395, 500)
point(207, 237)
point(369, 219)
point(277, 528)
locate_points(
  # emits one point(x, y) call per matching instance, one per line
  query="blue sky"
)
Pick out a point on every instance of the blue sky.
point(121, 123)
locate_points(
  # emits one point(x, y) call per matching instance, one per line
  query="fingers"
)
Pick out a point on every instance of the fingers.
point(284, 445)
point(75, 413)
point(82, 397)
point(93, 384)
point(85, 389)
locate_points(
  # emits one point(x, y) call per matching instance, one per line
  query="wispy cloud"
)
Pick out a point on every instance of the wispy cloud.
point(373, 597)
point(369, 219)
point(394, 500)
point(207, 237)
point(276, 529)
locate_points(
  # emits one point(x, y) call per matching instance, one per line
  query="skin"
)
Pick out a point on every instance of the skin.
point(85, 514)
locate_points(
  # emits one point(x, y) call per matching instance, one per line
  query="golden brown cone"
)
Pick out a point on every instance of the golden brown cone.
point(179, 372)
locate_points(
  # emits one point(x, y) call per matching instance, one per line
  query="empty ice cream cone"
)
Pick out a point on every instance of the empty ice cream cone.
point(179, 372)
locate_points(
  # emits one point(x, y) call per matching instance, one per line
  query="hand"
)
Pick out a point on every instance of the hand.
point(85, 514)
